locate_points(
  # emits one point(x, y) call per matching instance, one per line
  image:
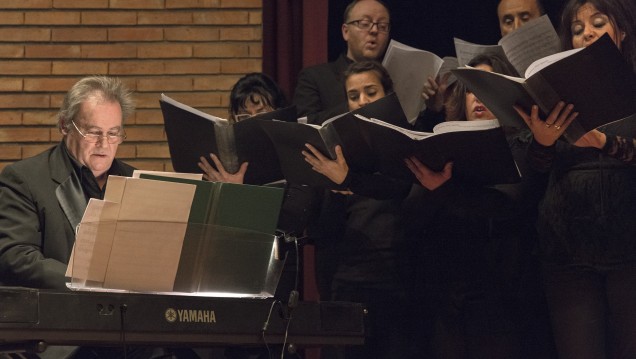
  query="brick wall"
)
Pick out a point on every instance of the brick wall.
point(192, 50)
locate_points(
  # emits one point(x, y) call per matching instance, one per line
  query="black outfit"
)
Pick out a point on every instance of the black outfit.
point(358, 238)
point(587, 230)
point(359, 247)
point(42, 200)
point(475, 274)
point(330, 219)
point(320, 92)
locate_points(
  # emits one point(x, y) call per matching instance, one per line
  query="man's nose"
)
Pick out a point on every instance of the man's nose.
point(374, 27)
point(102, 141)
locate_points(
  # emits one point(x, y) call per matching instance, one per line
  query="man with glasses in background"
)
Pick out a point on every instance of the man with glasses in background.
point(320, 92)
point(320, 95)
point(43, 198)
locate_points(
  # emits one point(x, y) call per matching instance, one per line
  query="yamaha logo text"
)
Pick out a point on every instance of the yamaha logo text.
point(190, 316)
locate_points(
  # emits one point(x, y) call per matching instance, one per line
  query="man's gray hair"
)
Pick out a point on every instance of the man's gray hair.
point(100, 88)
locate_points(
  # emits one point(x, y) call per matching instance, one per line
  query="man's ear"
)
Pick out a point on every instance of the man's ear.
point(345, 32)
point(61, 125)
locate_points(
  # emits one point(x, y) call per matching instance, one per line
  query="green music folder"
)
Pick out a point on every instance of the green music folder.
point(242, 206)
point(229, 242)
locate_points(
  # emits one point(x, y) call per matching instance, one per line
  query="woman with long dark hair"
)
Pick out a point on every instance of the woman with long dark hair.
point(586, 220)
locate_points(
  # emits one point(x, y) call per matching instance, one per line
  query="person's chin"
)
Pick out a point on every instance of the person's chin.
point(101, 164)
point(371, 55)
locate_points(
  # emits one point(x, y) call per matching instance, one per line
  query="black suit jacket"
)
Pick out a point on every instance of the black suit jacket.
point(320, 92)
point(41, 203)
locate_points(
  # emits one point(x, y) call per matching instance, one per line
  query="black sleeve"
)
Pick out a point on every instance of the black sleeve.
point(540, 157)
point(22, 261)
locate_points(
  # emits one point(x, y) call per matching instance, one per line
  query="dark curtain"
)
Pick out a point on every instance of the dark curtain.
point(294, 36)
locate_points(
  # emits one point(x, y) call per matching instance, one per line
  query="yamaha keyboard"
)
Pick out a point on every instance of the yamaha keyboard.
point(100, 318)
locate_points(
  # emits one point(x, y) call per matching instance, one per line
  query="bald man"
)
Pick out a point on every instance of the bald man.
point(513, 14)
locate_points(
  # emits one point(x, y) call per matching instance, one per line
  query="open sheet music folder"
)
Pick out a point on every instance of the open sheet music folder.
point(209, 260)
point(141, 238)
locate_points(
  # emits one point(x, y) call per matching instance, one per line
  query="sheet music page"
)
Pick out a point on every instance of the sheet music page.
point(93, 241)
point(548, 60)
point(410, 68)
point(534, 40)
point(115, 188)
point(416, 135)
point(149, 235)
point(145, 255)
point(455, 126)
point(324, 124)
point(161, 201)
point(135, 243)
point(465, 50)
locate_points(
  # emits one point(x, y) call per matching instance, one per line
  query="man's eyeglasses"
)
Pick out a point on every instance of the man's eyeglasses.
point(367, 25)
point(95, 137)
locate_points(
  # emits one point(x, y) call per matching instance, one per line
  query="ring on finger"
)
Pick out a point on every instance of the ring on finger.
point(557, 127)
point(548, 125)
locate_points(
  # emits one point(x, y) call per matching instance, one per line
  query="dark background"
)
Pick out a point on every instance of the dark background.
point(431, 24)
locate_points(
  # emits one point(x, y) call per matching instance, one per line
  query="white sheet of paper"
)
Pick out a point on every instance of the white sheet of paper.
point(410, 68)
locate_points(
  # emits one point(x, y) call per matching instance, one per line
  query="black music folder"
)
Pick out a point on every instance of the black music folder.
point(192, 133)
